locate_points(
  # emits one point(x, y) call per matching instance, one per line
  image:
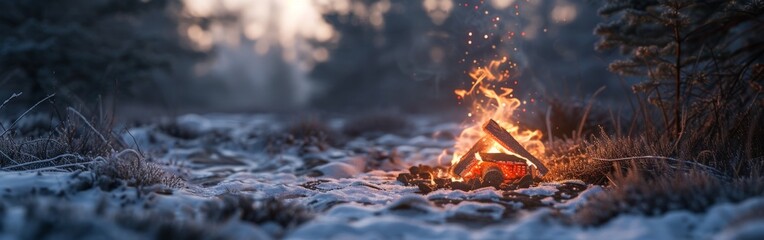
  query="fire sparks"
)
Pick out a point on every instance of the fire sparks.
point(491, 100)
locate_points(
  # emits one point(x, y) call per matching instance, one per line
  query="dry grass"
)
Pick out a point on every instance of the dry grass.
point(600, 156)
point(587, 160)
point(652, 175)
point(15, 153)
point(634, 194)
point(76, 142)
point(89, 137)
point(568, 160)
point(136, 170)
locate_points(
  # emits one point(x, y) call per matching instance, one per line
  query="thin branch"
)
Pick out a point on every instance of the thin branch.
point(15, 95)
point(58, 168)
point(46, 140)
point(25, 113)
point(8, 157)
point(43, 161)
point(549, 126)
point(91, 126)
point(586, 112)
point(134, 141)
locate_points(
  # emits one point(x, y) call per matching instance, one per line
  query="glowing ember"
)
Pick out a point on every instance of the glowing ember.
point(491, 100)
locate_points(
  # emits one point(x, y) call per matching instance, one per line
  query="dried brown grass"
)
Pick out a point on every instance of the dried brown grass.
point(585, 160)
point(75, 143)
point(652, 175)
point(631, 193)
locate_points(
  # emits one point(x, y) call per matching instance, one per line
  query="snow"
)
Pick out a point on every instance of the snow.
point(354, 197)
point(545, 189)
point(338, 170)
point(570, 206)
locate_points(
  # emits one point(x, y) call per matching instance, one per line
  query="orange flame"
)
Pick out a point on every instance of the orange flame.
point(493, 102)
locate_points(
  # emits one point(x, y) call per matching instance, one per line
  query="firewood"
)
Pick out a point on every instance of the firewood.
point(500, 135)
point(501, 157)
point(492, 176)
point(468, 158)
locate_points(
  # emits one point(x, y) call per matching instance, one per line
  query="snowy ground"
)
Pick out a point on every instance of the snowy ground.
point(350, 189)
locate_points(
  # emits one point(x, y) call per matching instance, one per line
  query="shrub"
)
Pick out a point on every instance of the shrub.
point(700, 60)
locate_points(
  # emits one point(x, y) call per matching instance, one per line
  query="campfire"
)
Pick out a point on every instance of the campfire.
point(510, 164)
point(491, 150)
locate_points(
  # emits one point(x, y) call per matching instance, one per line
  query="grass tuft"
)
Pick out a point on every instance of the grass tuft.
point(136, 170)
point(632, 193)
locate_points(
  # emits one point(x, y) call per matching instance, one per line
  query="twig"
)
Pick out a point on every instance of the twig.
point(46, 140)
point(91, 126)
point(126, 151)
point(134, 141)
point(43, 161)
point(549, 126)
point(6, 102)
point(586, 112)
point(8, 157)
point(58, 167)
point(25, 113)
point(15, 95)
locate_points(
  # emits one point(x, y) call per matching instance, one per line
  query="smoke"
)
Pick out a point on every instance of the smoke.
point(264, 50)
point(282, 55)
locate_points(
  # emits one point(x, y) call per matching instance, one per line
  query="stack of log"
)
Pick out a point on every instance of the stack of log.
point(478, 168)
point(496, 166)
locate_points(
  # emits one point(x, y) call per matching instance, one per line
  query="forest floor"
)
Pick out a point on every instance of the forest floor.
point(262, 177)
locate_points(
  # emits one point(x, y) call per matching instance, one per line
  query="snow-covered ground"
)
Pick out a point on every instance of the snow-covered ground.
point(350, 188)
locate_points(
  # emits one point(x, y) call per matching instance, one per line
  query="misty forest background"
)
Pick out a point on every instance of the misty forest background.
point(653, 105)
point(626, 67)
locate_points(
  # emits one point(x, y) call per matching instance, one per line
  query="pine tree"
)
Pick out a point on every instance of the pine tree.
point(78, 49)
point(700, 60)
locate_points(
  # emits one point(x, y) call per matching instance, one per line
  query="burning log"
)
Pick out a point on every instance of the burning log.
point(510, 165)
point(501, 157)
point(501, 136)
point(468, 159)
point(493, 176)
